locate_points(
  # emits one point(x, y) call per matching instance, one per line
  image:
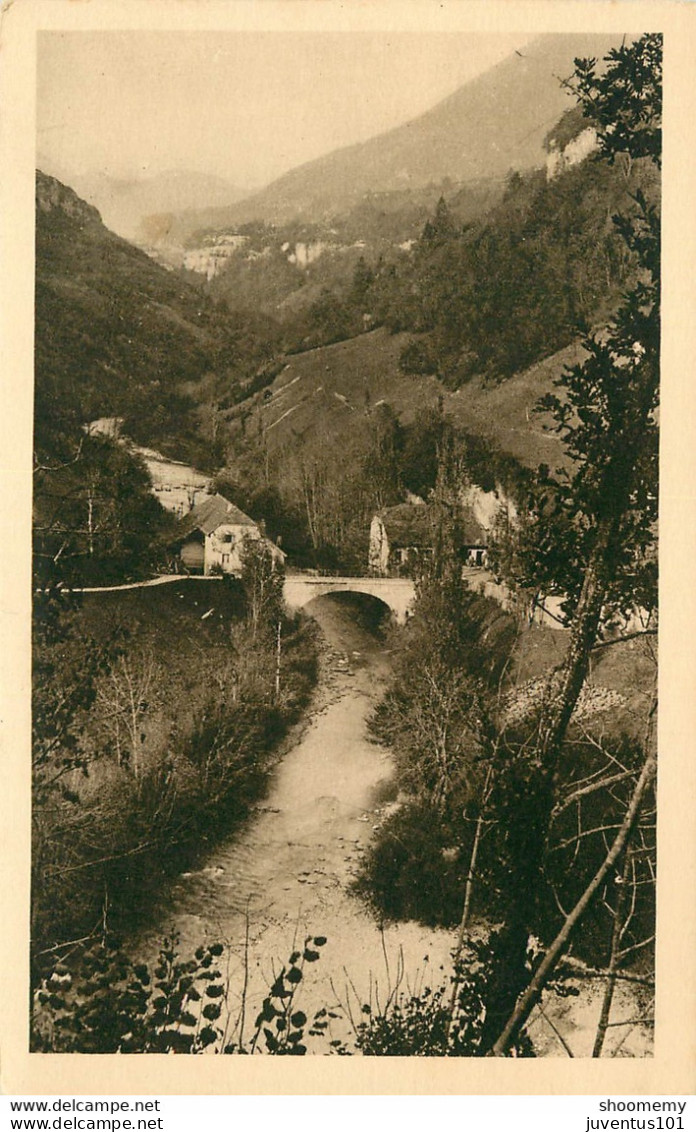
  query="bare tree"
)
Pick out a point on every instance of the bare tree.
point(125, 698)
point(532, 995)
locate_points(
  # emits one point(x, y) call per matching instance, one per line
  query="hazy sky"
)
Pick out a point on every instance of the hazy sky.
point(244, 106)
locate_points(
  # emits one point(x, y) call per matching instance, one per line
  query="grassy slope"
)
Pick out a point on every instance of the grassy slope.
point(319, 395)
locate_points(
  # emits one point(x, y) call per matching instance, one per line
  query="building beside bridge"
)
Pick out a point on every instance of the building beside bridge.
point(402, 539)
point(212, 537)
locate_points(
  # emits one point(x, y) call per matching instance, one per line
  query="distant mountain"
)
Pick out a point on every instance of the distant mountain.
point(140, 210)
point(495, 123)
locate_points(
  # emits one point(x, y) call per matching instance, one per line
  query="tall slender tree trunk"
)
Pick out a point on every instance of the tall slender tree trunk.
point(510, 974)
point(614, 959)
point(557, 949)
point(90, 524)
point(559, 707)
point(277, 665)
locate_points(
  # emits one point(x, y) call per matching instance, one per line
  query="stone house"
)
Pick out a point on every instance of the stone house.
point(401, 540)
point(211, 538)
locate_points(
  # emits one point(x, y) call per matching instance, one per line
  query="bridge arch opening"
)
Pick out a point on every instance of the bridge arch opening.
point(366, 611)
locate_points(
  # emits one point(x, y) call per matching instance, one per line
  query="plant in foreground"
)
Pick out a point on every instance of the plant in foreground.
point(103, 1002)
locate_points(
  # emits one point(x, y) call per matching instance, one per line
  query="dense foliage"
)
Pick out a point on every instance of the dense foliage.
point(487, 295)
point(495, 297)
point(154, 731)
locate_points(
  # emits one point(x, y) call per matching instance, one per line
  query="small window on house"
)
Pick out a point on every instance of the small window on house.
point(225, 536)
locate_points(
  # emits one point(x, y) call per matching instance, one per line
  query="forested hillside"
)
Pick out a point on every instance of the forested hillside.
point(117, 335)
point(491, 295)
point(495, 297)
point(496, 275)
point(283, 268)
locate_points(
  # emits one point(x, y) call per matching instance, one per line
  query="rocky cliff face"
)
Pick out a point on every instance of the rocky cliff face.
point(211, 258)
point(52, 195)
point(573, 153)
point(487, 505)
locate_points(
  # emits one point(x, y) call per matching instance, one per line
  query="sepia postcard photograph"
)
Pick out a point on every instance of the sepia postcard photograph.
point(336, 354)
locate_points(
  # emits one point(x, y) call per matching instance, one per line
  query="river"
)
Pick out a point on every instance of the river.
point(287, 872)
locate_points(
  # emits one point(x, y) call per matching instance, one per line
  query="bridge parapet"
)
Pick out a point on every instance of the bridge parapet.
point(397, 593)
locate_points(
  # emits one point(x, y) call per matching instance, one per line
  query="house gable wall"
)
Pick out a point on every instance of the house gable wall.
point(223, 547)
point(378, 554)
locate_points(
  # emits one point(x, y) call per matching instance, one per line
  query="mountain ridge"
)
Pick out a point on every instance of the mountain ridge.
point(118, 335)
point(137, 208)
point(495, 123)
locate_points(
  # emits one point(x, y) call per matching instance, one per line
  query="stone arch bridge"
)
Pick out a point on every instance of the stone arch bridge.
point(397, 593)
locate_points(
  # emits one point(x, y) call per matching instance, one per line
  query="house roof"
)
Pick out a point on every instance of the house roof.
point(472, 533)
point(409, 524)
point(275, 548)
point(211, 514)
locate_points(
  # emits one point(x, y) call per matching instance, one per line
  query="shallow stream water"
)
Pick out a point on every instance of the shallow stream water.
point(286, 873)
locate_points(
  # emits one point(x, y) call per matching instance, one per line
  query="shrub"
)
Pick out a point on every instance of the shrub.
point(441, 1021)
point(419, 357)
point(415, 869)
point(102, 1001)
